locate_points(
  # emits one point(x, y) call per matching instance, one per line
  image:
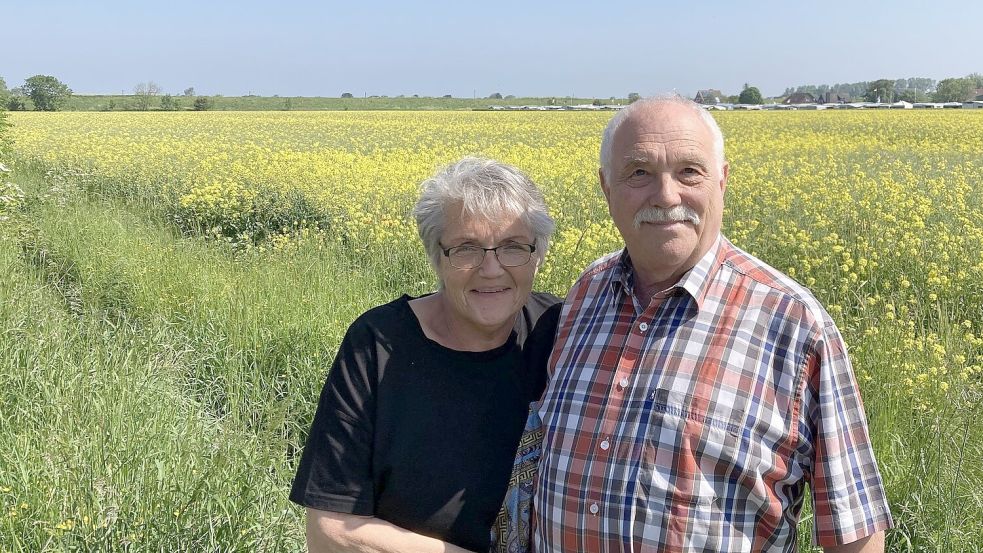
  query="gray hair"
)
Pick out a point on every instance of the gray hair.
point(483, 188)
point(607, 141)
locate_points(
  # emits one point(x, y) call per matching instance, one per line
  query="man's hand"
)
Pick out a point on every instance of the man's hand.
point(343, 533)
point(873, 543)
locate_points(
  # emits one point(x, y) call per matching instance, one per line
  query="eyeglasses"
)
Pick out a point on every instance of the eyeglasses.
point(469, 257)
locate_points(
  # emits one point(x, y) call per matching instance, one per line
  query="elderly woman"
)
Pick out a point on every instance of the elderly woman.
point(414, 444)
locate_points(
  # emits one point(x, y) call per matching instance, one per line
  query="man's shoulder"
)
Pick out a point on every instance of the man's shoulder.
point(602, 268)
point(761, 277)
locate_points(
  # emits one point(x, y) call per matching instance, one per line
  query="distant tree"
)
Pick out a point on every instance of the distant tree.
point(47, 92)
point(750, 95)
point(809, 89)
point(288, 103)
point(912, 96)
point(202, 103)
point(977, 79)
point(168, 103)
point(510, 97)
point(633, 97)
point(190, 91)
point(16, 100)
point(881, 90)
point(4, 94)
point(347, 95)
point(954, 90)
point(447, 96)
point(145, 93)
point(921, 84)
point(597, 102)
point(495, 96)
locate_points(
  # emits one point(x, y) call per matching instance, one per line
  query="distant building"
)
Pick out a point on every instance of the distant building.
point(978, 94)
point(800, 98)
point(709, 97)
point(830, 97)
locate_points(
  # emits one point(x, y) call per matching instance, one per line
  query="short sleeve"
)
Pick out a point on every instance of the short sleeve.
point(335, 472)
point(848, 495)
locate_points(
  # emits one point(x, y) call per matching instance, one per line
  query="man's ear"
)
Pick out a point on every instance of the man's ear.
point(604, 184)
point(724, 173)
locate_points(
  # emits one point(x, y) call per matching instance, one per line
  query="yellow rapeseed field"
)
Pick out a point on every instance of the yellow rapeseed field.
point(879, 213)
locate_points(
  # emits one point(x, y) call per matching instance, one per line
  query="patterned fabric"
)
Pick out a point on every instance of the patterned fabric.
point(694, 423)
point(511, 532)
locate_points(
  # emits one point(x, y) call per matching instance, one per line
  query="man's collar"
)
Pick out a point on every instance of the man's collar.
point(695, 281)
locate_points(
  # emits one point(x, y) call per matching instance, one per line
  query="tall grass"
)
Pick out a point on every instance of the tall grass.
point(156, 389)
point(103, 449)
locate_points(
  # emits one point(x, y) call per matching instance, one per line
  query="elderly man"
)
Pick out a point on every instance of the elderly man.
point(695, 390)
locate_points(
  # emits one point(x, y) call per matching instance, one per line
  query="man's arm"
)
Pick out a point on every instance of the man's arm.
point(873, 543)
point(343, 533)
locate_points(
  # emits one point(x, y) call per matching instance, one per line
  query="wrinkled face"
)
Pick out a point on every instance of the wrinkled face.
point(663, 172)
point(488, 296)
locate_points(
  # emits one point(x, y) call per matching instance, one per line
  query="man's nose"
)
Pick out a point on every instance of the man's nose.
point(665, 191)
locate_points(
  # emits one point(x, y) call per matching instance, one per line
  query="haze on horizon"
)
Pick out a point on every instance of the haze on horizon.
point(433, 48)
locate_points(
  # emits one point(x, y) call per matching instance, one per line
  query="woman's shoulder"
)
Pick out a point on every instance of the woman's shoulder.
point(385, 320)
point(539, 317)
point(386, 311)
point(540, 303)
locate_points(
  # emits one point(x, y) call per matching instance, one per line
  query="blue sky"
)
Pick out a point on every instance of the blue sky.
point(587, 49)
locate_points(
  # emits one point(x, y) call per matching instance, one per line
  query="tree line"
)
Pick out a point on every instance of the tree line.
point(47, 93)
point(914, 89)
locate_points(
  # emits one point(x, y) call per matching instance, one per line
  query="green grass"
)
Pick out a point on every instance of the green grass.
point(156, 390)
point(103, 448)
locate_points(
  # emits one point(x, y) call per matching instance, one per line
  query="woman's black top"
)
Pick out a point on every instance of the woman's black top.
point(420, 435)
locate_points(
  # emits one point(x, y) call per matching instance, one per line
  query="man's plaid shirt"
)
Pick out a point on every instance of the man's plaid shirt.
point(694, 423)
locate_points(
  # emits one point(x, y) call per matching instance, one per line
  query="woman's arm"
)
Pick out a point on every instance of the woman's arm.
point(333, 532)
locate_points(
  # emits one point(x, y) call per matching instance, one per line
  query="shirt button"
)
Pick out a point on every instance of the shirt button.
point(594, 508)
point(643, 327)
point(605, 445)
point(623, 383)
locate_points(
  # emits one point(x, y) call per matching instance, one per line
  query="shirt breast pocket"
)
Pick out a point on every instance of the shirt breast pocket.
point(692, 452)
point(691, 427)
point(698, 457)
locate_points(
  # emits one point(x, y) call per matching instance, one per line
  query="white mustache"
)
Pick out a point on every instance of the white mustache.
point(675, 214)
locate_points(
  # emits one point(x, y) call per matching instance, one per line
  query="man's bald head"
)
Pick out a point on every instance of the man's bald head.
point(654, 103)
